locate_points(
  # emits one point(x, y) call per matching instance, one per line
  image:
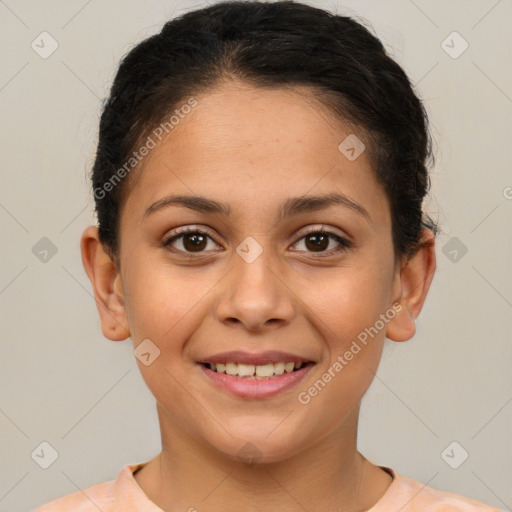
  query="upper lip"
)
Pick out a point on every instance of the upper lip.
point(260, 358)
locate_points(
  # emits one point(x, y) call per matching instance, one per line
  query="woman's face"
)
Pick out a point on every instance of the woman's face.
point(261, 287)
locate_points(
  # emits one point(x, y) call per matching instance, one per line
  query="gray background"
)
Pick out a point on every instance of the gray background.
point(63, 383)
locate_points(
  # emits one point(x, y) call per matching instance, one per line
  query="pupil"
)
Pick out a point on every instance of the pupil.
point(319, 241)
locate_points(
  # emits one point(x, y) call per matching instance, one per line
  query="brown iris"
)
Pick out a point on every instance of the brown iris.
point(194, 242)
point(317, 241)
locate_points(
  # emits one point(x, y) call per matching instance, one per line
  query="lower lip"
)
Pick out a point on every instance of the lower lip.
point(253, 388)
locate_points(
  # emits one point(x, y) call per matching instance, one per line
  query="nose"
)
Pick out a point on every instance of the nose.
point(255, 296)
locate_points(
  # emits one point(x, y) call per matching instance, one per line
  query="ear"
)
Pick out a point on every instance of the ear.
point(107, 286)
point(412, 282)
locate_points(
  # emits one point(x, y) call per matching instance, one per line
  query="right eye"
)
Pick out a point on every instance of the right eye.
point(188, 241)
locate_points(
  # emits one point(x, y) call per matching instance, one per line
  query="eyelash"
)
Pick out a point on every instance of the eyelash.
point(344, 244)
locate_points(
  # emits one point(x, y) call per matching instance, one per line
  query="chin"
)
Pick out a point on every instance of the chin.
point(258, 449)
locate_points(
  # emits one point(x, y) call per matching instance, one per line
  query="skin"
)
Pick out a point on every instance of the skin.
point(253, 149)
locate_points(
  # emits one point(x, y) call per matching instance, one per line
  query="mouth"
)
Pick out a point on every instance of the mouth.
point(255, 376)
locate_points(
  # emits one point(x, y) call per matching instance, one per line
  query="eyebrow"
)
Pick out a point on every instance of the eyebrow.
point(292, 206)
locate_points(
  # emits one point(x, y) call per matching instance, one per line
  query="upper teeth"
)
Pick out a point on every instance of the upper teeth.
point(251, 370)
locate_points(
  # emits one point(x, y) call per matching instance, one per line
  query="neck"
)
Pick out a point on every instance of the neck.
point(329, 475)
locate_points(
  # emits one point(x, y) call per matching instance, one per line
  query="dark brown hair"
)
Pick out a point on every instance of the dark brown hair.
point(264, 44)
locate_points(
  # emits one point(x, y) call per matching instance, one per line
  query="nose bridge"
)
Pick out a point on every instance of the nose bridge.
point(255, 294)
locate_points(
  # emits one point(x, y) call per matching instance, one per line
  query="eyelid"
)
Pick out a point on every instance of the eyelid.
point(321, 228)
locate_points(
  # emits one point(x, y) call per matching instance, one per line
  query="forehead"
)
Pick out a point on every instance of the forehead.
point(254, 125)
point(254, 146)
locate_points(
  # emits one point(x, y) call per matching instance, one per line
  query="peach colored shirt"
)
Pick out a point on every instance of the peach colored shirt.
point(124, 495)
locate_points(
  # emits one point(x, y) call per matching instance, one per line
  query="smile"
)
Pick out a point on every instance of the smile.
point(254, 372)
point(255, 381)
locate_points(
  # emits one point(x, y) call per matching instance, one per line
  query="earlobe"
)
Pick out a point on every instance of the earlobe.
point(107, 286)
point(412, 283)
point(403, 326)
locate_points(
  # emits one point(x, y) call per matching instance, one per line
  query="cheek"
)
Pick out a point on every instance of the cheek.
point(349, 300)
point(353, 349)
point(160, 300)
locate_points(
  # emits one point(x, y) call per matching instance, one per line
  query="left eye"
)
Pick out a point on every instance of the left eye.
point(320, 241)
